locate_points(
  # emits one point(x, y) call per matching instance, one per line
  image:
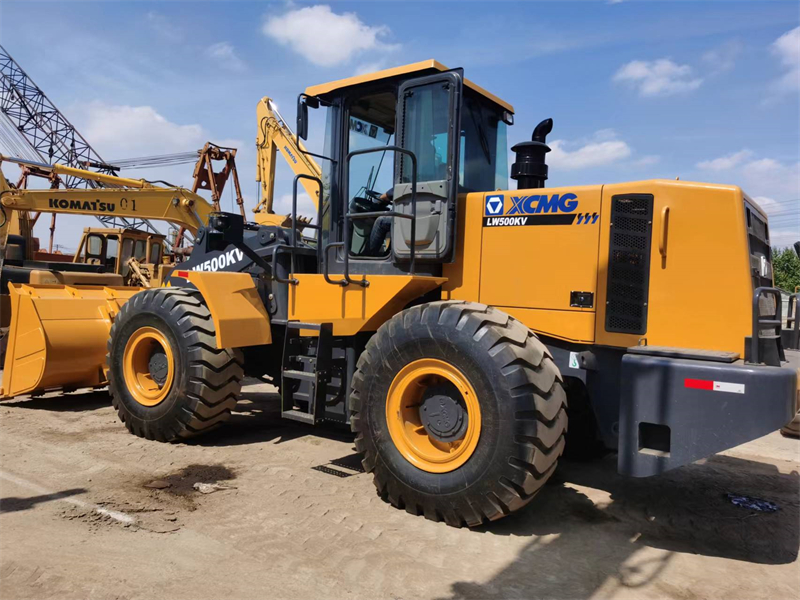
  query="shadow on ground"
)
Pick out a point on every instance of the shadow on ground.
point(580, 544)
point(257, 419)
point(14, 504)
point(64, 402)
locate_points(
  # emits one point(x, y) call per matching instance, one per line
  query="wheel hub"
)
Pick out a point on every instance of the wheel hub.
point(148, 366)
point(433, 415)
point(442, 416)
point(159, 367)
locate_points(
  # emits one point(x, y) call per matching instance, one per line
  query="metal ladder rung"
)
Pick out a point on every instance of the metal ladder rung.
point(304, 375)
point(299, 325)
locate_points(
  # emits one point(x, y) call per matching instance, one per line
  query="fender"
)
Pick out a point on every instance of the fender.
point(240, 318)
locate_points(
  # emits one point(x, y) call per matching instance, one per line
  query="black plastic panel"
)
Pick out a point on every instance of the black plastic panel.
point(629, 263)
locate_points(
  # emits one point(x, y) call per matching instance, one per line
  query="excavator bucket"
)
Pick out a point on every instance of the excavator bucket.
point(57, 336)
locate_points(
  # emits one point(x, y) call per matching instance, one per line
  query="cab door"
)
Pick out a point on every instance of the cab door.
point(428, 125)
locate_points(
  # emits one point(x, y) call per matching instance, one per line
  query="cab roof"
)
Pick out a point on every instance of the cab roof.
point(425, 67)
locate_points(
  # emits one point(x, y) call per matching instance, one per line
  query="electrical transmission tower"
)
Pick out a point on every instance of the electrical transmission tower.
point(48, 132)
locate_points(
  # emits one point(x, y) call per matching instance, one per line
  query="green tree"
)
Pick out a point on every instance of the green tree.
point(786, 267)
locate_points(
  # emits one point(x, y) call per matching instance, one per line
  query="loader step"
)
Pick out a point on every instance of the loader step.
point(298, 415)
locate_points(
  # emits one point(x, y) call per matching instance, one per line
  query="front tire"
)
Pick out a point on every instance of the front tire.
point(168, 381)
point(499, 406)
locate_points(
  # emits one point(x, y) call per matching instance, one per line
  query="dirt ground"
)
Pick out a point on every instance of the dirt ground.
point(89, 511)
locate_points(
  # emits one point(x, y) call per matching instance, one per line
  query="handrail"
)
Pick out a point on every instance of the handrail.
point(772, 321)
point(354, 216)
point(292, 246)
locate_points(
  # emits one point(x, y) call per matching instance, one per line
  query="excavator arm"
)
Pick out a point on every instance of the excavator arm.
point(137, 199)
point(274, 136)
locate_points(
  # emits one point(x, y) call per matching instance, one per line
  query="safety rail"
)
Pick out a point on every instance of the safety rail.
point(349, 217)
point(791, 335)
point(768, 321)
point(292, 248)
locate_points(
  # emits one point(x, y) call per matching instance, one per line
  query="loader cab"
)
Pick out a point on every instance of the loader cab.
point(400, 146)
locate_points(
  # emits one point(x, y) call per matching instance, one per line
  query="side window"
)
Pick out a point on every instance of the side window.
point(140, 250)
point(427, 132)
point(127, 252)
point(94, 246)
point(94, 249)
point(155, 253)
point(428, 125)
point(112, 247)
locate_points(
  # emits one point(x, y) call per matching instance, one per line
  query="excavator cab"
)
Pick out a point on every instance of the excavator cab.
point(113, 248)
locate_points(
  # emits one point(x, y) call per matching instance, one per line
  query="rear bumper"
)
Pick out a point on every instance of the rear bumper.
point(674, 411)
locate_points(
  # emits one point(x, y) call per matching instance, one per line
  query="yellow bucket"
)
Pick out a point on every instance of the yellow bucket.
point(58, 335)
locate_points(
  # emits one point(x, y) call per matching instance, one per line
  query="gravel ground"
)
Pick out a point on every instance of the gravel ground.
point(89, 511)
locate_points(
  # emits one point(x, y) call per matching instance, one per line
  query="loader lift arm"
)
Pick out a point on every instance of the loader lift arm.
point(275, 135)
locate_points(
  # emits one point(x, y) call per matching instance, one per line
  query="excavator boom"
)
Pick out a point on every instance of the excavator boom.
point(134, 198)
point(274, 135)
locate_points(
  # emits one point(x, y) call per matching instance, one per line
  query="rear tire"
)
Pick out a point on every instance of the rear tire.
point(194, 387)
point(521, 411)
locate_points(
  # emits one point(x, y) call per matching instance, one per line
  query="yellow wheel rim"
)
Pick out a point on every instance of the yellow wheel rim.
point(139, 381)
point(403, 416)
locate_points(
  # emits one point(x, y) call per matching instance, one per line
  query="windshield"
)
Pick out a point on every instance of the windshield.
point(371, 125)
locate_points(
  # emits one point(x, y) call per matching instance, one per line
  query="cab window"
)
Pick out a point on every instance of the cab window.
point(94, 247)
point(140, 250)
point(112, 249)
point(127, 252)
point(483, 160)
point(427, 133)
point(155, 253)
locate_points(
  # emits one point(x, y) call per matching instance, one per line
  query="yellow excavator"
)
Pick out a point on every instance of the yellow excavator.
point(457, 325)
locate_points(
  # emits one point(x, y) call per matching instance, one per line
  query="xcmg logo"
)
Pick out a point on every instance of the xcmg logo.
point(538, 209)
point(531, 205)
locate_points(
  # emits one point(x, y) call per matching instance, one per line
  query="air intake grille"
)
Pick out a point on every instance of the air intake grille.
point(629, 263)
point(760, 252)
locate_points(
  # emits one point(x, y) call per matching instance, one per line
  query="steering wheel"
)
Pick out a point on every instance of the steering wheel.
point(373, 195)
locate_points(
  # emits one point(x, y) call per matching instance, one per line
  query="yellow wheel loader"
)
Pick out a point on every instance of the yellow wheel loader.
point(455, 324)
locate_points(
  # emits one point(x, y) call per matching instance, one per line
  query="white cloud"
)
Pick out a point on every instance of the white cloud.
point(603, 149)
point(164, 27)
point(326, 38)
point(773, 184)
point(660, 77)
point(723, 57)
point(370, 67)
point(225, 55)
point(787, 49)
point(121, 131)
point(723, 163)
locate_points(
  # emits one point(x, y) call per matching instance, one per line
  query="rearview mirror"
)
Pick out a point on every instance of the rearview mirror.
point(303, 102)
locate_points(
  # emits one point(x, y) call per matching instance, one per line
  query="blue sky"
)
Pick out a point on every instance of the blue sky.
point(706, 91)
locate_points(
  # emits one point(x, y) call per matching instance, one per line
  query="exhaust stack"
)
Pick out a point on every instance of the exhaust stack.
point(529, 169)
